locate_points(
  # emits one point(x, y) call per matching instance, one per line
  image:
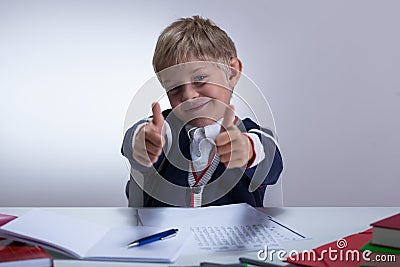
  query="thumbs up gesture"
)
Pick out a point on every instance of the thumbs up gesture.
point(150, 139)
point(234, 148)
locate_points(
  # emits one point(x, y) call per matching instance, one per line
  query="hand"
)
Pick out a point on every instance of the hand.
point(234, 148)
point(150, 139)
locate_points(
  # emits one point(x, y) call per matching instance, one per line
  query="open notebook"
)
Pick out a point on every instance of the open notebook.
point(86, 240)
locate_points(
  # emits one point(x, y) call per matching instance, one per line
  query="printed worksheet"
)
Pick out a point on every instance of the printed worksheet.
point(230, 238)
point(223, 228)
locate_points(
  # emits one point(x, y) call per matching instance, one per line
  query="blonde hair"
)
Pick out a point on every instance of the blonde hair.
point(192, 37)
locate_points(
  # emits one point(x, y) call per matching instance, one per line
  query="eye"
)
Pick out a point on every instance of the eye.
point(173, 90)
point(199, 78)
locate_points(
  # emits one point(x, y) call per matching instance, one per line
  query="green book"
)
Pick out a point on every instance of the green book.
point(379, 249)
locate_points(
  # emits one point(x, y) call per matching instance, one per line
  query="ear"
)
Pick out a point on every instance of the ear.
point(234, 71)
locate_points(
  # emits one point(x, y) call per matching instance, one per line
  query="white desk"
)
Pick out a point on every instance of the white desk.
point(323, 224)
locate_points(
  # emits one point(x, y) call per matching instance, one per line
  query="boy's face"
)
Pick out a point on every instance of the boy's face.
point(199, 91)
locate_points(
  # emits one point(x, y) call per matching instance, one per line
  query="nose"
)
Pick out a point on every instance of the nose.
point(189, 92)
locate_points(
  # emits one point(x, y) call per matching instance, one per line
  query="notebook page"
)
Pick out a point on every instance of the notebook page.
point(56, 231)
point(114, 245)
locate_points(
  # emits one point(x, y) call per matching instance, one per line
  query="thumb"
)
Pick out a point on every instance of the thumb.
point(228, 118)
point(158, 119)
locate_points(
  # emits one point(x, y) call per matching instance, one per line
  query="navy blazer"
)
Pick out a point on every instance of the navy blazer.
point(271, 168)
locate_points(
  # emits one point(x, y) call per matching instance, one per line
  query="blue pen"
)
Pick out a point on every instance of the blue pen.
point(152, 238)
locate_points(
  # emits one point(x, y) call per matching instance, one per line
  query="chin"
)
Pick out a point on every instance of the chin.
point(201, 122)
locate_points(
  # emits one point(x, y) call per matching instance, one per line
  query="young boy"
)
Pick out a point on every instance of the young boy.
point(199, 153)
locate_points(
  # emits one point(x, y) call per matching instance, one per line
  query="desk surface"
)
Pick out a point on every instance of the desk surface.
point(323, 224)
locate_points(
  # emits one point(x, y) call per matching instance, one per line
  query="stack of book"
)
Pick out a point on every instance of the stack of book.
point(384, 247)
point(378, 246)
point(15, 254)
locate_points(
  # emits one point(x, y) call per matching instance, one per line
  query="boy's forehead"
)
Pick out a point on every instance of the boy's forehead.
point(182, 73)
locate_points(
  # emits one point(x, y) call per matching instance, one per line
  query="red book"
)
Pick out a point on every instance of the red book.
point(17, 254)
point(386, 232)
point(340, 253)
point(4, 218)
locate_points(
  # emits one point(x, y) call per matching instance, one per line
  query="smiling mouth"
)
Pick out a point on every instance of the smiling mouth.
point(196, 107)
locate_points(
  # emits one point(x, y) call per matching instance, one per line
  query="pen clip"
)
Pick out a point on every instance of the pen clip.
point(169, 236)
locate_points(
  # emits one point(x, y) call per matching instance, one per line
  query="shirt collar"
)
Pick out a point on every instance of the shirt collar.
point(211, 131)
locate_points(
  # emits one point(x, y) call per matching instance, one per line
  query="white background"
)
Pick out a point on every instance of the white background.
point(69, 69)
